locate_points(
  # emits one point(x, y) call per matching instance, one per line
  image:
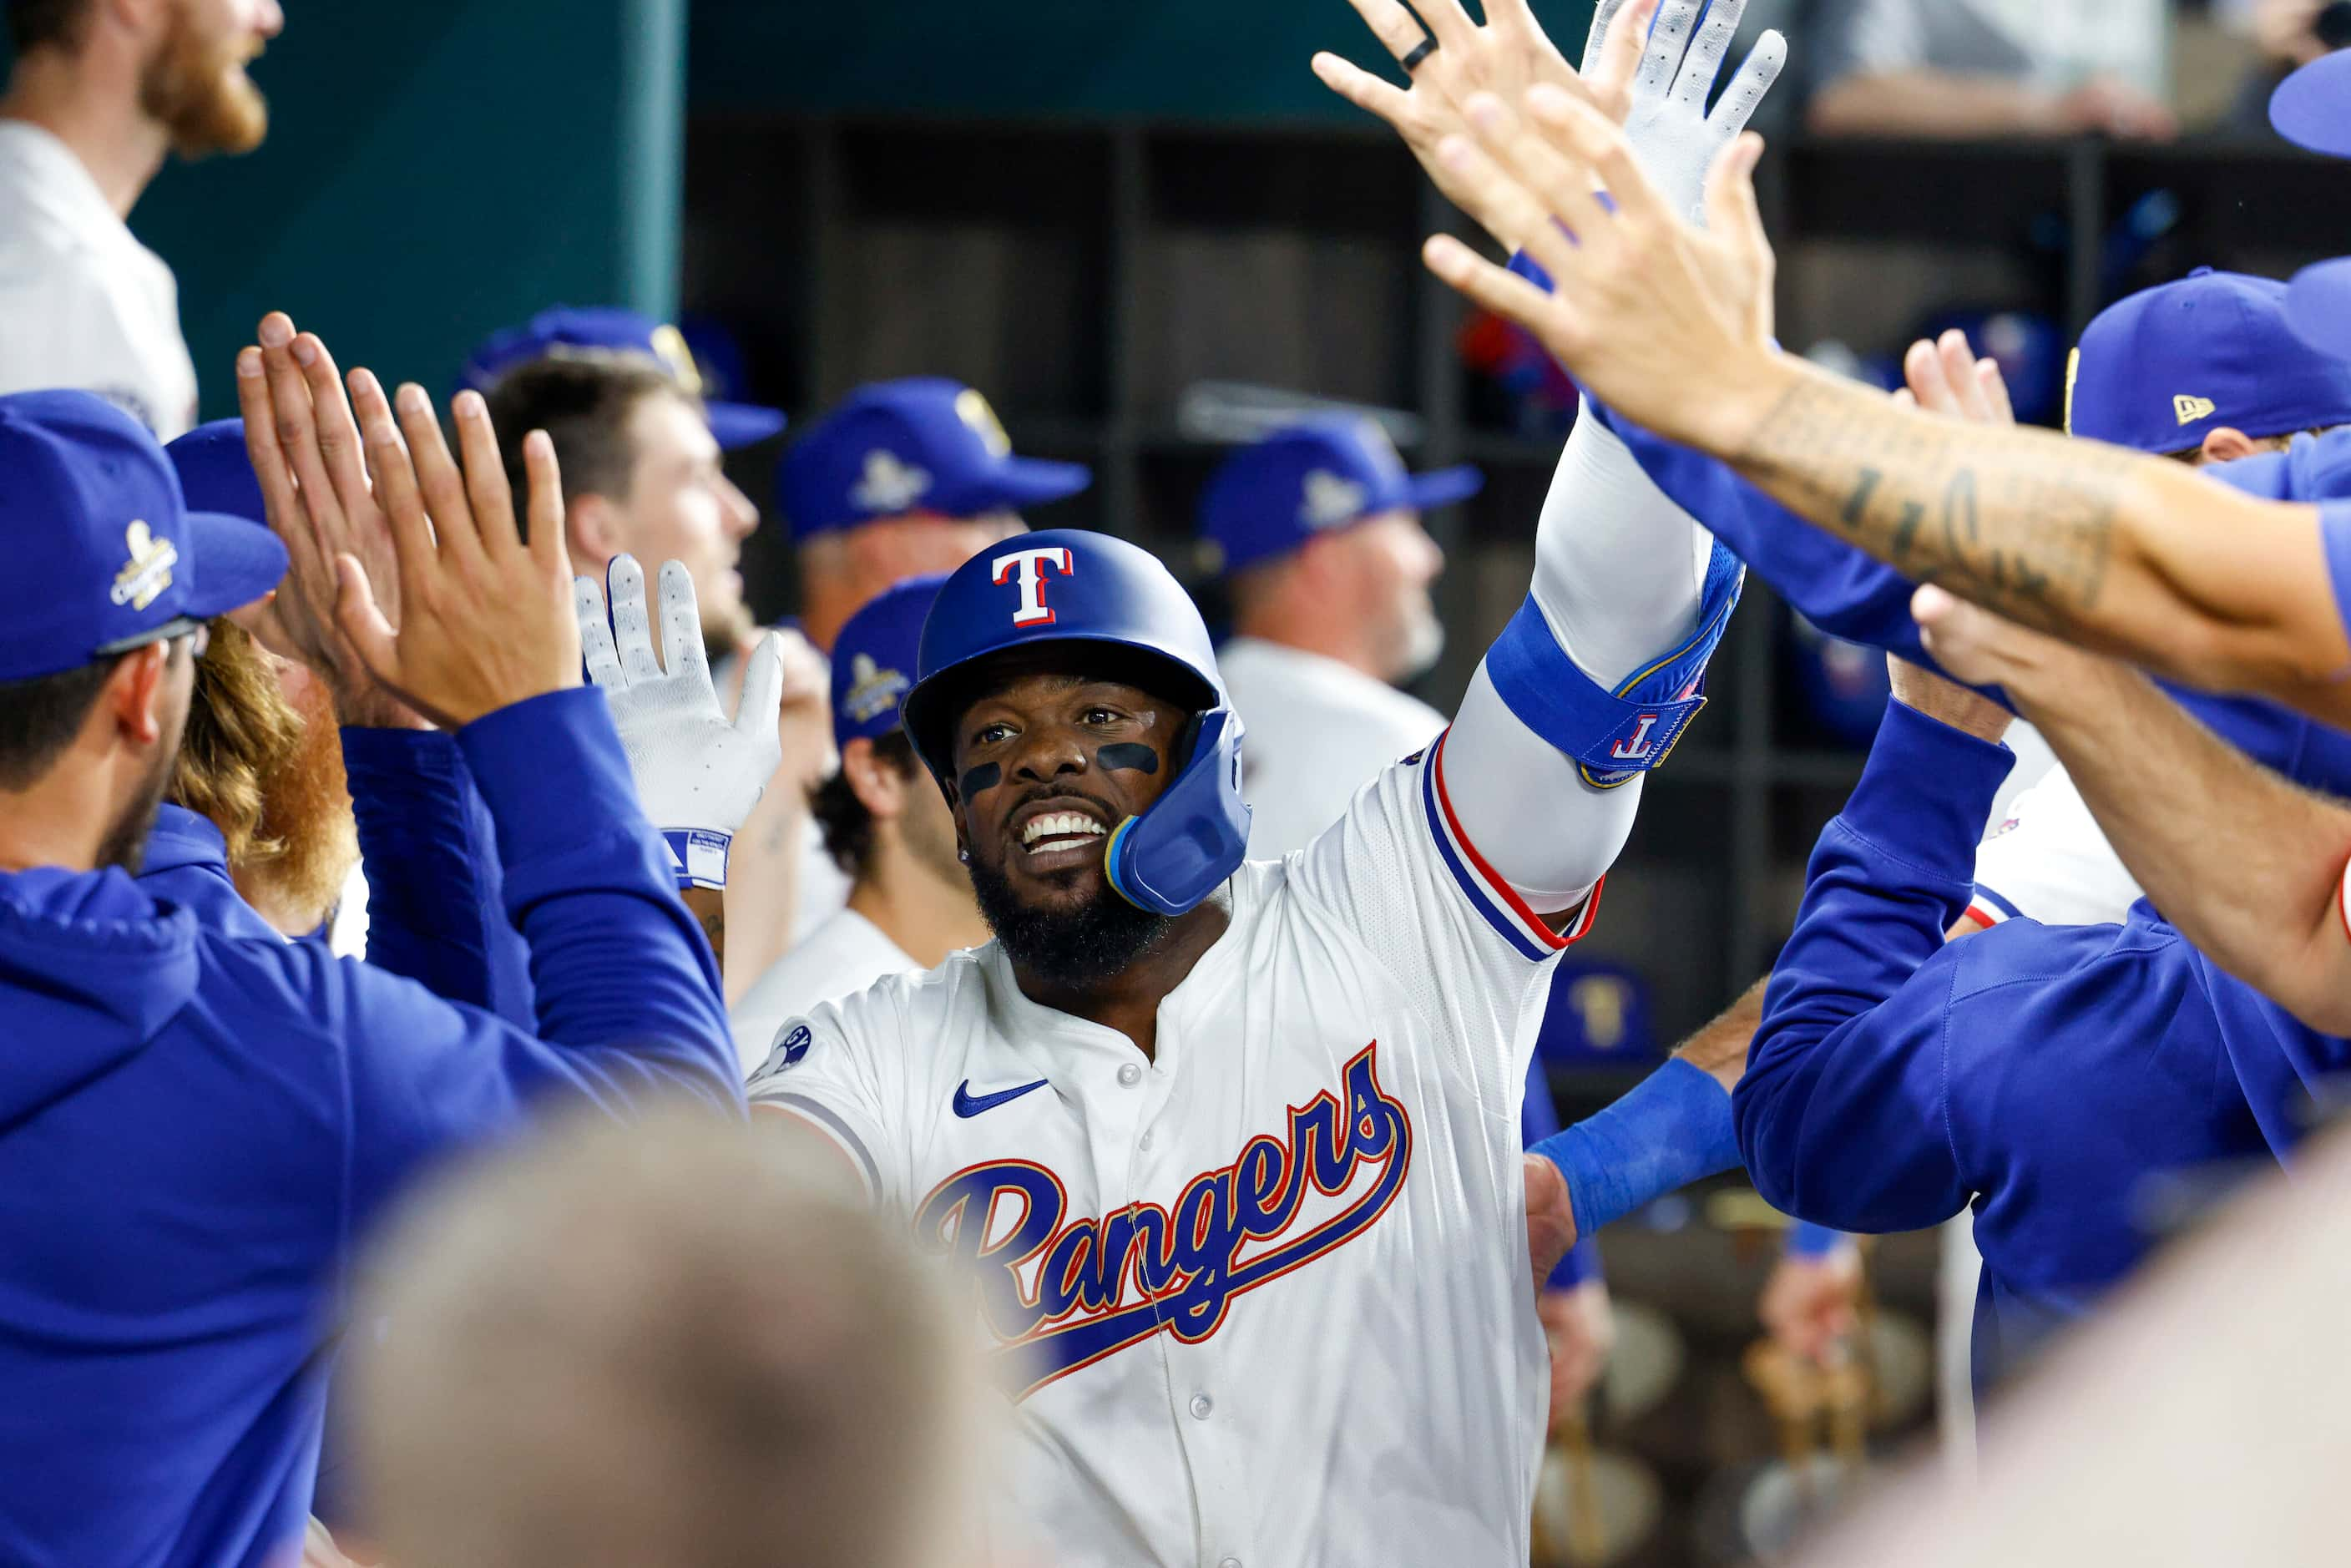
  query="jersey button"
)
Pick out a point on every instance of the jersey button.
point(1146, 1140)
point(1230, 1563)
point(1201, 1405)
point(1130, 1075)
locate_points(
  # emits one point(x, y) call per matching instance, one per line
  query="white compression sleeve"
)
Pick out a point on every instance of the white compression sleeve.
point(1618, 574)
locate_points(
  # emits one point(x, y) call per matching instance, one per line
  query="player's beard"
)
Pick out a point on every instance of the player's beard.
point(197, 88)
point(1077, 949)
point(306, 810)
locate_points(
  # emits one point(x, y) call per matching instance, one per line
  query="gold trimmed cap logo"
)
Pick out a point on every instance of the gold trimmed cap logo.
point(973, 410)
point(148, 572)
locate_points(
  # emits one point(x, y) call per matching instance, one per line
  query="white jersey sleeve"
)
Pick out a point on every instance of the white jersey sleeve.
point(2049, 861)
point(1424, 897)
point(839, 1069)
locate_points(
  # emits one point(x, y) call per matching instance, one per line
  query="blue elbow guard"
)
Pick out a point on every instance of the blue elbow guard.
point(1674, 1128)
point(1613, 737)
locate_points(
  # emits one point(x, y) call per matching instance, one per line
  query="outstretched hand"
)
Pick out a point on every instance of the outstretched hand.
point(485, 621)
point(1670, 323)
point(305, 454)
point(1505, 56)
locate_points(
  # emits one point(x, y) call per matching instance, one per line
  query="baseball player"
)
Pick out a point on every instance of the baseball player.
point(1671, 326)
point(191, 1309)
point(1317, 530)
point(903, 477)
point(887, 827)
point(2096, 1057)
point(98, 96)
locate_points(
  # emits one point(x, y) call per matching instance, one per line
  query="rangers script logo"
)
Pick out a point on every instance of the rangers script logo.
point(1060, 1294)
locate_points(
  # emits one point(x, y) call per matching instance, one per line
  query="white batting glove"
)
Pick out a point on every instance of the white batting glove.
point(1671, 133)
point(697, 775)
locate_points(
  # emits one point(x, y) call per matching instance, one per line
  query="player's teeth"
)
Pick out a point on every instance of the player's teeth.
point(1060, 825)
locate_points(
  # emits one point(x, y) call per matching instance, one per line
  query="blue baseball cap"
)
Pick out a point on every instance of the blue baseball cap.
point(2312, 107)
point(611, 328)
point(215, 473)
point(2161, 370)
point(104, 554)
point(924, 445)
point(1324, 472)
point(875, 656)
point(2318, 307)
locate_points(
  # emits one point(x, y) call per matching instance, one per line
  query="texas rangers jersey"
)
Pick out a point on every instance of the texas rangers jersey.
point(1261, 1300)
point(2048, 859)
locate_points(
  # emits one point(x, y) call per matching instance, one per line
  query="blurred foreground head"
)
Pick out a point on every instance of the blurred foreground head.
point(680, 1340)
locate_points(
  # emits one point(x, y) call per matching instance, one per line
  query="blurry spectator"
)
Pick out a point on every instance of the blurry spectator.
point(594, 1363)
point(885, 824)
point(2288, 35)
point(1992, 68)
point(1316, 529)
point(100, 92)
point(903, 477)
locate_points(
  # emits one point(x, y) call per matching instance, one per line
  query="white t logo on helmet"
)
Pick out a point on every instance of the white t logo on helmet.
point(1030, 564)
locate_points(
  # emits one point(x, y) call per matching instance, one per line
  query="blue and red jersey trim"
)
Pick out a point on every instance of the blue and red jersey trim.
point(1989, 908)
point(1492, 896)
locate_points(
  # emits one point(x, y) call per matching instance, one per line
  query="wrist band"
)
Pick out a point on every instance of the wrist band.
point(698, 856)
point(1672, 1129)
point(1581, 1265)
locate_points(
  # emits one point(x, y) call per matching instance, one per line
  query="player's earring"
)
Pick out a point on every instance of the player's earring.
point(964, 855)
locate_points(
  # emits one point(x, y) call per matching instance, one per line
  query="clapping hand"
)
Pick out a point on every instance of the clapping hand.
point(485, 620)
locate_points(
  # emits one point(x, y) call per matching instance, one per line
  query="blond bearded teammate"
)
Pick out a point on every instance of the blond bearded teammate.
point(99, 93)
point(1233, 1149)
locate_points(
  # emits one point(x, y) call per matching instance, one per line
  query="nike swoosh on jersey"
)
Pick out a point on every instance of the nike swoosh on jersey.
point(967, 1103)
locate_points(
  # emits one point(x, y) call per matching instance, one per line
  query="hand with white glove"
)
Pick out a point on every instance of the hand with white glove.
point(697, 775)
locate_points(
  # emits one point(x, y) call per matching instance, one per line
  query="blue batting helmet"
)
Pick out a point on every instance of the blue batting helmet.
point(1065, 585)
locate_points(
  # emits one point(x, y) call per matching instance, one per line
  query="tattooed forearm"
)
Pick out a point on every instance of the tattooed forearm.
point(709, 906)
point(2020, 520)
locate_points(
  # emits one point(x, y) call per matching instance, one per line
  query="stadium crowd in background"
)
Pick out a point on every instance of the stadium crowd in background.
point(511, 1060)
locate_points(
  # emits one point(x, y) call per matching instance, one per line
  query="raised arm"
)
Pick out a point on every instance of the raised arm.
point(627, 995)
point(1596, 677)
point(1841, 1113)
point(1672, 326)
point(2246, 865)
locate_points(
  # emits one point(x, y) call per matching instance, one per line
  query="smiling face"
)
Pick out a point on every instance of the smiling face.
point(1047, 762)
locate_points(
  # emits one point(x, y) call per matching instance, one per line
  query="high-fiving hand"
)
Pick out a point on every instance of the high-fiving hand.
point(697, 774)
point(305, 449)
point(1643, 69)
point(485, 621)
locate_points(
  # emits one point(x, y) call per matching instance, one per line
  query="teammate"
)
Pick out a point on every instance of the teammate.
point(2096, 1057)
point(903, 477)
point(600, 1366)
point(1671, 326)
point(1316, 529)
point(884, 823)
point(98, 94)
point(165, 1045)
point(610, 329)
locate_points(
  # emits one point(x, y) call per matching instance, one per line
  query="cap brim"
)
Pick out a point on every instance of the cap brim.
point(741, 423)
point(1017, 482)
point(238, 562)
point(1442, 487)
point(2318, 307)
point(2312, 107)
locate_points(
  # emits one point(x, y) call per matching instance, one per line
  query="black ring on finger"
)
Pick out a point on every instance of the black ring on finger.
point(1420, 52)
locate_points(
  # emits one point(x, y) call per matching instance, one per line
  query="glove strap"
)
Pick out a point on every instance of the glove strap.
point(698, 856)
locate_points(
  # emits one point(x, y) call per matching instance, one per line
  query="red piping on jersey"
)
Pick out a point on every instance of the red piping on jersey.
point(1494, 881)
